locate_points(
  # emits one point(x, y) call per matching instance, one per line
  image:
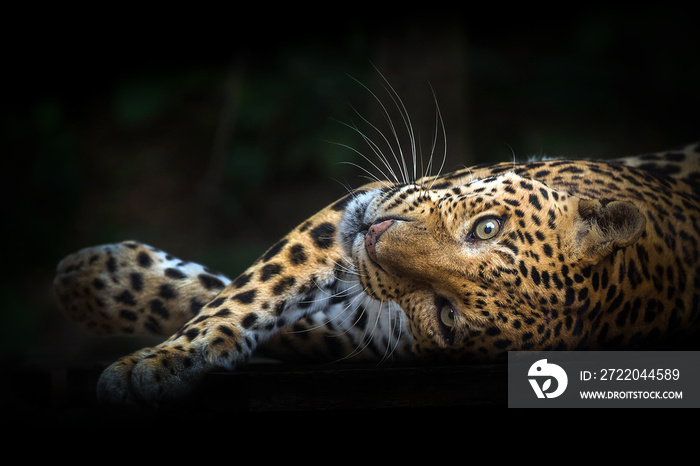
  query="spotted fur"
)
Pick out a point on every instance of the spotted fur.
point(542, 255)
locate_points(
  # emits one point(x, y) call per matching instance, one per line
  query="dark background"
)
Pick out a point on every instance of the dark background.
point(207, 134)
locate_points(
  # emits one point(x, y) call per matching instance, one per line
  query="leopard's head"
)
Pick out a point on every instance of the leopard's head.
point(485, 266)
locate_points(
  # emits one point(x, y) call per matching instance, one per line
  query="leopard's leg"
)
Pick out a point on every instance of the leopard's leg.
point(267, 297)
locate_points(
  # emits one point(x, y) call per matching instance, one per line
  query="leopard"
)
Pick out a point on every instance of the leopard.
point(546, 254)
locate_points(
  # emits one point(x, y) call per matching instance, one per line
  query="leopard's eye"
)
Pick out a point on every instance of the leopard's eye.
point(487, 228)
point(447, 316)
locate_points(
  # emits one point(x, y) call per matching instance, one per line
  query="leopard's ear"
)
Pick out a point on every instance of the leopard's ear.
point(606, 226)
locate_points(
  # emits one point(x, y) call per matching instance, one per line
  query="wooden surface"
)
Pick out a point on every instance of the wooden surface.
point(264, 389)
point(60, 391)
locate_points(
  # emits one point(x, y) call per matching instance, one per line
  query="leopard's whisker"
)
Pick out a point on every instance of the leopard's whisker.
point(396, 152)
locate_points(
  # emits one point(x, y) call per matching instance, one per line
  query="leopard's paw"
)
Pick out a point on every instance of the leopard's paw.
point(152, 376)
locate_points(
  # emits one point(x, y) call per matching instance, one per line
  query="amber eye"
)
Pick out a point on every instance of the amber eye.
point(487, 228)
point(447, 317)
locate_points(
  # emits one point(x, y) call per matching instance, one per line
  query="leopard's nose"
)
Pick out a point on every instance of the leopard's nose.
point(372, 236)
